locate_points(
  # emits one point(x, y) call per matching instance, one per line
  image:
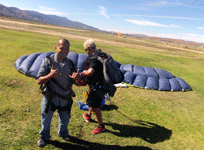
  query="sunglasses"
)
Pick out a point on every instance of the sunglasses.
point(87, 49)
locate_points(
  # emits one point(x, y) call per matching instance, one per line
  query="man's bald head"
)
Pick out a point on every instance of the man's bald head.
point(62, 48)
point(62, 42)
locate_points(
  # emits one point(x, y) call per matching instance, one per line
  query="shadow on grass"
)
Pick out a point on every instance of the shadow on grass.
point(148, 131)
point(109, 107)
point(78, 143)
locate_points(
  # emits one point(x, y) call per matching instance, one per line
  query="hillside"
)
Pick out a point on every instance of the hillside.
point(39, 17)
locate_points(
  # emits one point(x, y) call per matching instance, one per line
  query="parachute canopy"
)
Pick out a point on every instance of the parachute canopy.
point(145, 77)
point(153, 78)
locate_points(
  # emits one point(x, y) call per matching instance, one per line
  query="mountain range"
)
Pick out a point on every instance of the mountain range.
point(39, 17)
point(50, 19)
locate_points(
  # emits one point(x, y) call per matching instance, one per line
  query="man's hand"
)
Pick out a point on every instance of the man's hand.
point(88, 72)
point(75, 75)
point(54, 72)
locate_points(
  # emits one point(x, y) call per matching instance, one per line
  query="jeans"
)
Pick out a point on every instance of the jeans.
point(46, 118)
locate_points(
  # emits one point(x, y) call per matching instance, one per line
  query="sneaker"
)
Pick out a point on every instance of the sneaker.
point(42, 142)
point(87, 117)
point(99, 129)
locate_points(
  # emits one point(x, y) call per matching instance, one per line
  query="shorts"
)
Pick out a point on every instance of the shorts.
point(94, 99)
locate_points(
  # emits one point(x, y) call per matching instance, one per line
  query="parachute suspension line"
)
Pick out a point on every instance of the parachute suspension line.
point(76, 99)
point(80, 93)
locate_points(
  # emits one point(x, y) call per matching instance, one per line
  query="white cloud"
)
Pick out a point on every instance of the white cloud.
point(49, 11)
point(147, 5)
point(80, 9)
point(164, 3)
point(200, 28)
point(47, 8)
point(103, 11)
point(149, 16)
point(85, 14)
point(148, 23)
point(192, 35)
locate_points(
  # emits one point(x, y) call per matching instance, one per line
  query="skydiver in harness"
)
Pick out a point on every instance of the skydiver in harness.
point(95, 80)
point(59, 91)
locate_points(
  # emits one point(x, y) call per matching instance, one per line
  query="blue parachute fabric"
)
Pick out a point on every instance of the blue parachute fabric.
point(128, 67)
point(122, 70)
point(81, 62)
point(152, 83)
point(151, 72)
point(144, 77)
point(129, 77)
point(36, 65)
point(139, 70)
point(30, 64)
point(183, 84)
point(164, 84)
point(140, 81)
point(19, 61)
point(74, 57)
point(163, 74)
point(175, 86)
point(152, 78)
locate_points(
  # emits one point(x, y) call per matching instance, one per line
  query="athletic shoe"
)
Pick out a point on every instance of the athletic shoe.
point(99, 129)
point(42, 142)
point(87, 117)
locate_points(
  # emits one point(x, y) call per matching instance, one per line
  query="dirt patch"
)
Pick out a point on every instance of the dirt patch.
point(11, 82)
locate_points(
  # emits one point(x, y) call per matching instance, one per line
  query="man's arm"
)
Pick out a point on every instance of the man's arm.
point(85, 74)
point(77, 80)
point(53, 74)
point(88, 72)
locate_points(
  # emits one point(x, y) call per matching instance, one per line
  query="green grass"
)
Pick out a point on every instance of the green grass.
point(135, 118)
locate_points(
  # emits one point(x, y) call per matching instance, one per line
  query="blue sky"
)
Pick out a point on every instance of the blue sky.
point(178, 19)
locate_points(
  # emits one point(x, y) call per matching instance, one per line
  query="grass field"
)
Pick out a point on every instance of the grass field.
point(135, 118)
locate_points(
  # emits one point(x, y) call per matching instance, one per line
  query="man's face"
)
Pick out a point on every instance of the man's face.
point(89, 50)
point(62, 50)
